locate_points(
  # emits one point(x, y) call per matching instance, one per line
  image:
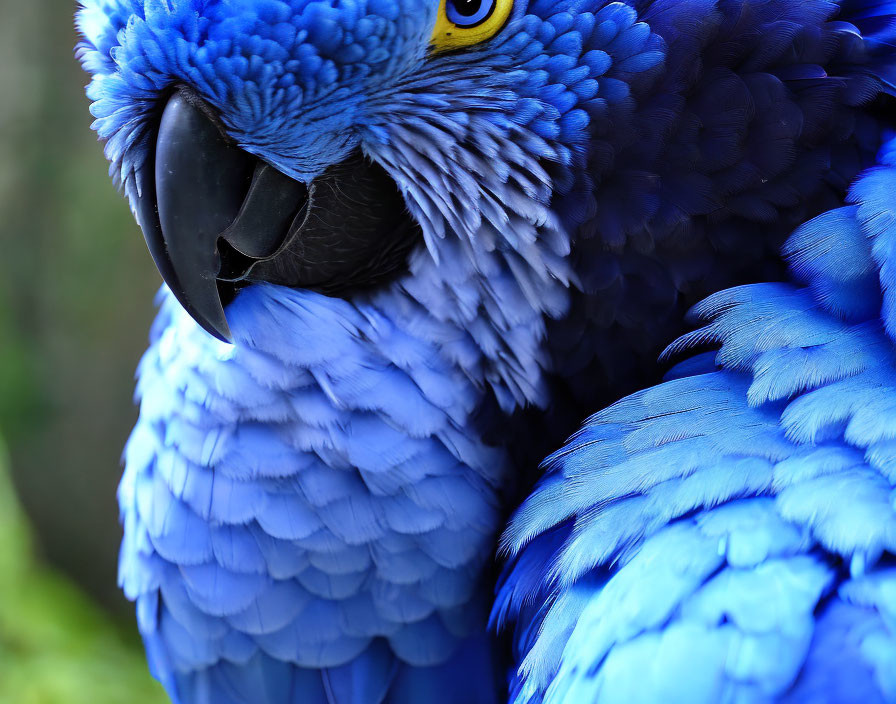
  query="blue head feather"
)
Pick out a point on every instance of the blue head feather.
point(502, 130)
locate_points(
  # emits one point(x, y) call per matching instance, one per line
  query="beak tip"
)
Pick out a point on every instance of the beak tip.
point(206, 310)
point(213, 322)
point(224, 335)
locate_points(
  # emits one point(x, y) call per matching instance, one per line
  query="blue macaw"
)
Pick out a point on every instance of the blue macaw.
point(409, 245)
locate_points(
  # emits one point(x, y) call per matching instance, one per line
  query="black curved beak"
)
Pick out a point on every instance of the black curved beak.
point(201, 195)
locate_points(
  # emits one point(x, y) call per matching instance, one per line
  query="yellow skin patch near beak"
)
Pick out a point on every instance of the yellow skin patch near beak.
point(448, 35)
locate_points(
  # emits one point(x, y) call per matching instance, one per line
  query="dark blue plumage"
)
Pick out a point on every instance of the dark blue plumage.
point(311, 513)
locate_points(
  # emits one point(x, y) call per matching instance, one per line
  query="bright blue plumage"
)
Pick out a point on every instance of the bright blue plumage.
point(311, 514)
point(314, 505)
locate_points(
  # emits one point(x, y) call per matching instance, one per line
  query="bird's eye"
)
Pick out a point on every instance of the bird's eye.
point(468, 13)
point(466, 22)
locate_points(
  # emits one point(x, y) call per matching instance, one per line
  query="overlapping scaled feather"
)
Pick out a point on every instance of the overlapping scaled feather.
point(307, 502)
point(727, 535)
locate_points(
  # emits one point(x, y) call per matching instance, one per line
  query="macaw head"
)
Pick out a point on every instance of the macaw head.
point(344, 145)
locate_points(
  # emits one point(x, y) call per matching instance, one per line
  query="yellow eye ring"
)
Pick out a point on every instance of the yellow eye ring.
point(464, 23)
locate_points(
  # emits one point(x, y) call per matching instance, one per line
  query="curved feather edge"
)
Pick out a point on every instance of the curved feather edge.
point(728, 535)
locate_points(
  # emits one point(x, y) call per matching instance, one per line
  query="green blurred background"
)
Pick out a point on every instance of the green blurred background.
point(76, 289)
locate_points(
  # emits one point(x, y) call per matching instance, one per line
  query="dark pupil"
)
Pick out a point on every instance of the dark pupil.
point(467, 8)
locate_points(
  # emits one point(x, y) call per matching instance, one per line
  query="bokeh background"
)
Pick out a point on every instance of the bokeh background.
point(76, 290)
